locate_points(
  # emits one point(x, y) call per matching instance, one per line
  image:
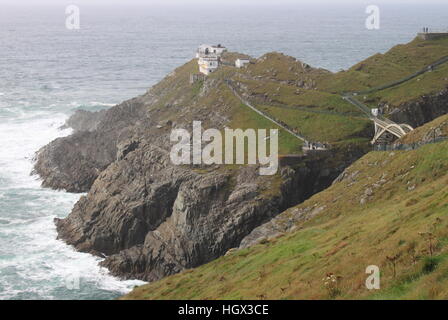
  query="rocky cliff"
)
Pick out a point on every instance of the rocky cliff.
point(150, 218)
point(73, 163)
point(421, 110)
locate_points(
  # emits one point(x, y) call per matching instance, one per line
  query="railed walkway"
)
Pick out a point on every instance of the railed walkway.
point(428, 68)
point(382, 124)
point(264, 115)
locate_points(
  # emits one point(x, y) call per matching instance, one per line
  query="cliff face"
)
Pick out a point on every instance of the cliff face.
point(384, 205)
point(422, 110)
point(419, 112)
point(73, 163)
point(202, 217)
point(150, 218)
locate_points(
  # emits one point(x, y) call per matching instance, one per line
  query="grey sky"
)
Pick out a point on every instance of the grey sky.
point(210, 2)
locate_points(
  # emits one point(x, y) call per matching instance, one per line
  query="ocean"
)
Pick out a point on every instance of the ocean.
point(47, 72)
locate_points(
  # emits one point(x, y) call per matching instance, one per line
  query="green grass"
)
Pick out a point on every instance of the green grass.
point(279, 67)
point(344, 239)
point(410, 189)
point(427, 131)
point(292, 96)
point(399, 62)
point(321, 127)
point(245, 118)
point(425, 84)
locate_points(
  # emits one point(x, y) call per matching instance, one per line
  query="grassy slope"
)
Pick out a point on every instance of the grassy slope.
point(309, 99)
point(409, 196)
point(271, 84)
point(346, 236)
point(176, 87)
point(419, 134)
point(399, 62)
point(430, 82)
point(312, 95)
point(245, 118)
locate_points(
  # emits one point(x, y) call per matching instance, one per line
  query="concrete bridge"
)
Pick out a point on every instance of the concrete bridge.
point(382, 124)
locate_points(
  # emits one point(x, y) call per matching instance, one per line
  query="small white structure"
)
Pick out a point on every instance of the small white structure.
point(239, 63)
point(314, 146)
point(209, 57)
point(208, 64)
point(207, 49)
point(375, 112)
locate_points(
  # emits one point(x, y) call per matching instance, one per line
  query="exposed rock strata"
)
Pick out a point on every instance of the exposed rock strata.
point(151, 218)
point(73, 163)
point(425, 109)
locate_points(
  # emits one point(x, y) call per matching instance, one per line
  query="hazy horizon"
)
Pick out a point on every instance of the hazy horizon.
point(216, 2)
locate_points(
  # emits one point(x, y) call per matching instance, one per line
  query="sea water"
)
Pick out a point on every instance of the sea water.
point(47, 72)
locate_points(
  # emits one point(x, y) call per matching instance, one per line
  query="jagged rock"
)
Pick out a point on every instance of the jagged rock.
point(427, 108)
point(230, 251)
point(73, 163)
point(152, 218)
point(347, 176)
point(125, 147)
point(280, 225)
point(368, 192)
point(83, 120)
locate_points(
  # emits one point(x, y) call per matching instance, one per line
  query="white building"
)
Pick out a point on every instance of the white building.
point(208, 64)
point(206, 49)
point(239, 63)
point(209, 57)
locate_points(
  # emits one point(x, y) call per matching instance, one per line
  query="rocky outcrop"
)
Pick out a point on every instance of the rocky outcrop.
point(83, 120)
point(150, 218)
point(206, 218)
point(73, 163)
point(281, 224)
point(421, 111)
point(322, 171)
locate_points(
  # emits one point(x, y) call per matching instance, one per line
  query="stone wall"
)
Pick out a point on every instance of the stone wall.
point(432, 35)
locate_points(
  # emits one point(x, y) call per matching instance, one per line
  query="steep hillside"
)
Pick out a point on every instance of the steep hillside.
point(309, 99)
point(399, 62)
point(150, 218)
point(388, 209)
point(431, 131)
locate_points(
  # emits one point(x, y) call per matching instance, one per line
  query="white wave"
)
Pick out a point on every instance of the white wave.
point(50, 264)
point(102, 104)
point(33, 264)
